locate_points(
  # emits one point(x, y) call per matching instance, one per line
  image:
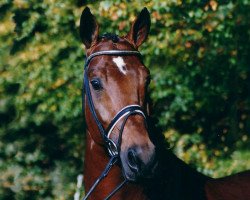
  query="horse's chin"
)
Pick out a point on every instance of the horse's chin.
point(129, 174)
point(144, 174)
point(139, 176)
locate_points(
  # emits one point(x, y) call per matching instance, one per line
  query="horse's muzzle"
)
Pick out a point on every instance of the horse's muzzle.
point(138, 162)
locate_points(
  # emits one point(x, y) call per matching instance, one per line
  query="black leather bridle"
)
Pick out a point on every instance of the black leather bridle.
point(112, 147)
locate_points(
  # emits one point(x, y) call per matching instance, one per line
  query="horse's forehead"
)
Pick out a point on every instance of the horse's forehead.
point(117, 65)
point(120, 64)
point(106, 45)
point(123, 64)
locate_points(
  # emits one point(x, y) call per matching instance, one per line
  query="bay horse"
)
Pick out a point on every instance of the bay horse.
point(126, 157)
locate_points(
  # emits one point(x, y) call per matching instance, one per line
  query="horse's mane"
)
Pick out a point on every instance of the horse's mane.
point(156, 133)
point(172, 176)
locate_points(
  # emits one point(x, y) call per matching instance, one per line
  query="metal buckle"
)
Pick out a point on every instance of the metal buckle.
point(112, 148)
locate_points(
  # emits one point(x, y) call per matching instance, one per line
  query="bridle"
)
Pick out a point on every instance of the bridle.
point(112, 147)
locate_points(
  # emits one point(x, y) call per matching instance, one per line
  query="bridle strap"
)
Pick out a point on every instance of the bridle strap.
point(91, 105)
point(105, 172)
point(111, 53)
point(87, 87)
point(124, 113)
point(114, 158)
point(116, 189)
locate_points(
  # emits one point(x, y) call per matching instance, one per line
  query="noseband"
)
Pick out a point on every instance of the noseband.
point(112, 147)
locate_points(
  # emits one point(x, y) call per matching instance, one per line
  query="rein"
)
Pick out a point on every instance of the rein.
point(112, 147)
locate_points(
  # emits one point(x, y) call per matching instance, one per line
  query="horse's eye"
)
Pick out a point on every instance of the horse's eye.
point(96, 84)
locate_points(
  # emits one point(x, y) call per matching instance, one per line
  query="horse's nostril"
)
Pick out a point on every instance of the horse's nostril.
point(133, 160)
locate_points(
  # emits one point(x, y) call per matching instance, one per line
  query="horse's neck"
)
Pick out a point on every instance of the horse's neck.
point(96, 159)
point(177, 181)
point(187, 182)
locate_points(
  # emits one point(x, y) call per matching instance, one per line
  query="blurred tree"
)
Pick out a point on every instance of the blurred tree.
point(198, 54)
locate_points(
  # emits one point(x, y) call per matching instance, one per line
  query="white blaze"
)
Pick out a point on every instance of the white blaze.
point(120, 64)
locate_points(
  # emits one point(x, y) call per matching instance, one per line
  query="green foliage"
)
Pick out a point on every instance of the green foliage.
point(198, 54)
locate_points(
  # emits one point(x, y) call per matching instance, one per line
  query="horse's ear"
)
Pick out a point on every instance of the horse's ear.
point(89, 28)
point(140, 28)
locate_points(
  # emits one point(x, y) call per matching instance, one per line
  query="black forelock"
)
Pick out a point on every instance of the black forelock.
point(110, 36)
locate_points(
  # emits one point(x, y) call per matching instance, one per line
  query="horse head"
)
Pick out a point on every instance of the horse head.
point(116, 82)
